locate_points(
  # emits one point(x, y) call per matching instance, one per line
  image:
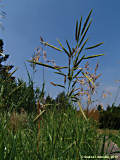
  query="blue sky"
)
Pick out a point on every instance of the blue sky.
point(27, 20)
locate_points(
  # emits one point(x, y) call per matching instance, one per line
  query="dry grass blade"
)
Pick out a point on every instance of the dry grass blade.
point(96, 68)
point(38, 116)
point(45, 55)
point(53, 83)
point(98, 76)
point(59, 85)
point(79, 104)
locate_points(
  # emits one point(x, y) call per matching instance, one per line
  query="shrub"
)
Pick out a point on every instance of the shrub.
point(17, 95)
point(18, 120)
point(109, 119)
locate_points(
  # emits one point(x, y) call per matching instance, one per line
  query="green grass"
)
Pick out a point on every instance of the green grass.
point(62, 135)
point(59, 133)
point(116, 138)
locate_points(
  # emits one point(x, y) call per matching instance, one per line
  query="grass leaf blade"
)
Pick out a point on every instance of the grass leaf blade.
point(74, 83)
point(63, 48)
point(79, 28)
point(80, 50)
point(60, 73)
point(77, 73)
point(47, 44)
point(79, 104)
point(76, 31)
point(69, 47)
point(85, 33)
point(59, 85)
point(46, 65)
point(93, 56)
point(76, 64)
point(38, 116)
point(85, 24)
point(97, 45)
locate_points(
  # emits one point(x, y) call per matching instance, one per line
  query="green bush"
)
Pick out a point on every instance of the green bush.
point(17, 95)
point(110, 118)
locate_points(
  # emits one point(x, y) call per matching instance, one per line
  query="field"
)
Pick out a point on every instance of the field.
point(34, 126)
point(56, 135)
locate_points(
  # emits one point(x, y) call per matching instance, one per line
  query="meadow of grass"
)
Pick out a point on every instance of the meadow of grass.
point(114, 135)
point(52, 130)
point(61, 135)
point(57, 135)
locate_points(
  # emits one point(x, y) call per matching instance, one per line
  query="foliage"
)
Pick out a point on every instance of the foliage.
point(62, 101)
point(4, 69)
point(110, 118)
point(57, 132)
point(17, 120)
point(17, 95)
point(74, 59)
point(113, 108)
point(62, 136)
point(25, 97)
point(91, 114)
point(87, 90)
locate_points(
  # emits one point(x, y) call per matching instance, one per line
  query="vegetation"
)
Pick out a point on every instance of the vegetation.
point(74, 59)
point(61, 136)
point(33, 126)
point(110, 118)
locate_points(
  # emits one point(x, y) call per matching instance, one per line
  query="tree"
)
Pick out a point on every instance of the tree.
point(4, 69)
point(62, 101)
